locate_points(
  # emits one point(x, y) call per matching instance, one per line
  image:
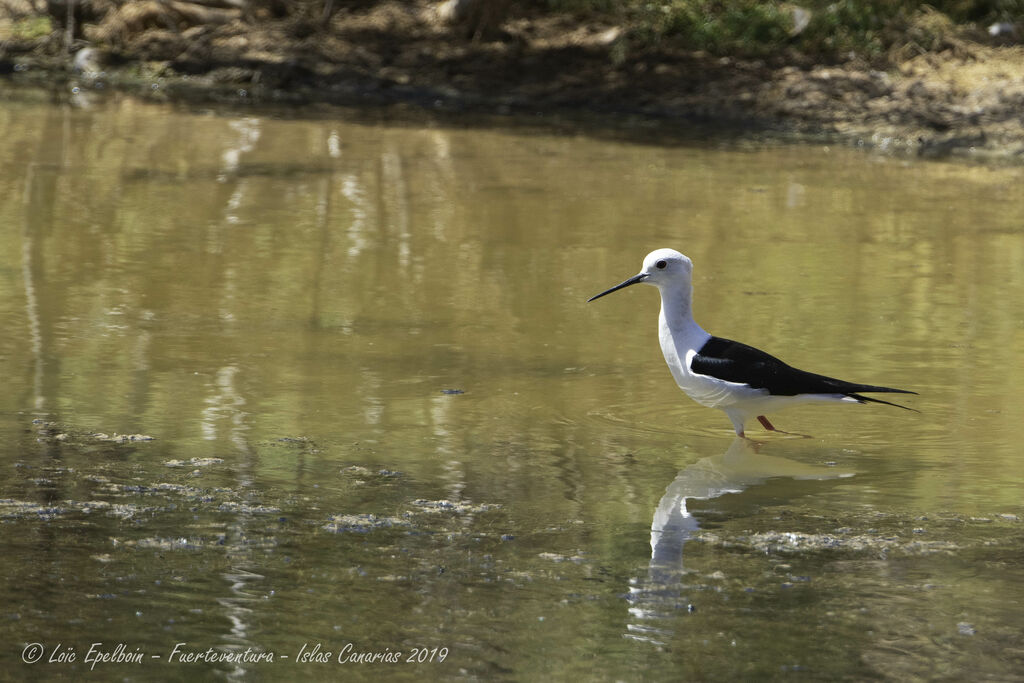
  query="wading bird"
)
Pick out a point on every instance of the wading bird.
point(742, 381)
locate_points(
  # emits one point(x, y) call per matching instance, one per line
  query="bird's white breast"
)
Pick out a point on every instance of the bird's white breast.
point(679, 345)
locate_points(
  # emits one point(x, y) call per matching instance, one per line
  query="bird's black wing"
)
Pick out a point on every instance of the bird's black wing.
point(735, 362)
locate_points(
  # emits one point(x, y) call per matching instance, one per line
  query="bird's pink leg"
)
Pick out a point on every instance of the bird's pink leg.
point(771, 428)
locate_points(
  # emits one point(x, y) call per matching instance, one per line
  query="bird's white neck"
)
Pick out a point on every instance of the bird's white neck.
point(677, 317)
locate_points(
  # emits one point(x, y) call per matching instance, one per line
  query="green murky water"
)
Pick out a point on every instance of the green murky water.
point(384, 420)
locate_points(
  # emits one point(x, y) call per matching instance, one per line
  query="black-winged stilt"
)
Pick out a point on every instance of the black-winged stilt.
point(719, 373)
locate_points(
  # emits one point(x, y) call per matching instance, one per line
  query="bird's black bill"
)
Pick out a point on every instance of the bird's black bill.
point(631, 281)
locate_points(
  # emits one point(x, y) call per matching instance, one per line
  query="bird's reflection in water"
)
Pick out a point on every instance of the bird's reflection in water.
point(659, 594)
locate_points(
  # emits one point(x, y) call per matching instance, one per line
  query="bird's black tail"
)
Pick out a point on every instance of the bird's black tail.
point(868, 399)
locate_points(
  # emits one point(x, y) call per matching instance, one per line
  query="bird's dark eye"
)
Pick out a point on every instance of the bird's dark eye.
point(661, 265)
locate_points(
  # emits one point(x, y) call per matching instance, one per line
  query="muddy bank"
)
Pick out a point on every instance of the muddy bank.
point(962, 98)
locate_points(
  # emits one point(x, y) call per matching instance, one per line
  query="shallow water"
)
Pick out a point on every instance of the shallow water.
point(384, 420)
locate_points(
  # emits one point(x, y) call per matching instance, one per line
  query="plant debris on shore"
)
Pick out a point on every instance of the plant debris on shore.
point(898, 76)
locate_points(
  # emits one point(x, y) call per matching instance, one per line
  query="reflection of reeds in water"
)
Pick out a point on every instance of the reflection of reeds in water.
point(346, 252)
point(31, 298)
point(739, 467)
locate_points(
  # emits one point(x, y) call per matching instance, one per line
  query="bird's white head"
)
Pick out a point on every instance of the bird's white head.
point(667, 267)
point(662, 268)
